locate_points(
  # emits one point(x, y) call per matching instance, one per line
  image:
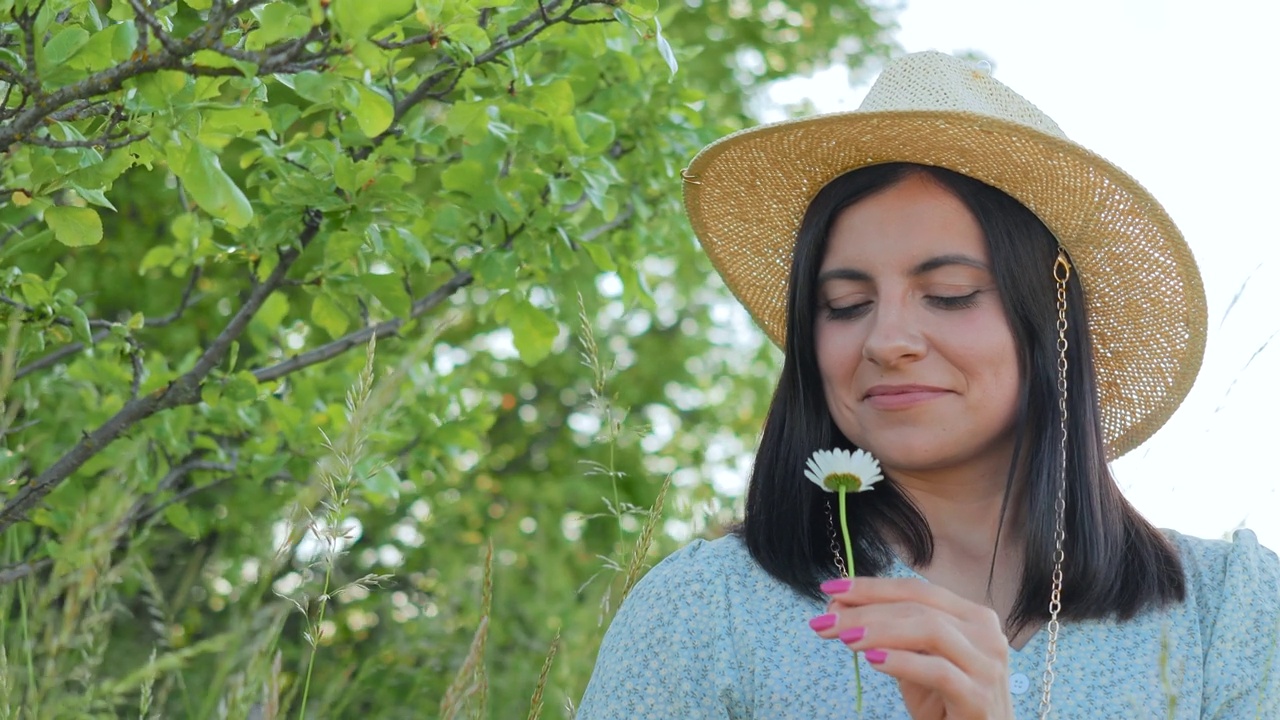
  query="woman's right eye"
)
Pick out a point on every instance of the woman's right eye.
point(848, 312)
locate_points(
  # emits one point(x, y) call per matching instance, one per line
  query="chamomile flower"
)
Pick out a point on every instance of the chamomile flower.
point(841, 470)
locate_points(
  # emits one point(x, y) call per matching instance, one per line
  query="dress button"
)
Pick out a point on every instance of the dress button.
point(1019, 683)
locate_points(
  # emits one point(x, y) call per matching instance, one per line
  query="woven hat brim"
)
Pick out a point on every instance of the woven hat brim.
point(747, 193)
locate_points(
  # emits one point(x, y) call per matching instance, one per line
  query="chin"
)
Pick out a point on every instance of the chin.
point(909, 454)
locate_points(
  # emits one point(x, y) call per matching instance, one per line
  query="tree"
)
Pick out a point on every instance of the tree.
point(209, 208)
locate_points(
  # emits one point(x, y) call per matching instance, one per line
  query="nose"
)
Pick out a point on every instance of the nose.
point(893, 337)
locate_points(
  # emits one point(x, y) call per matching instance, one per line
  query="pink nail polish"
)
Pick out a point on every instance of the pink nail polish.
point(822, 622)
point(837, 586)
point(875, 657)
point(852, 635)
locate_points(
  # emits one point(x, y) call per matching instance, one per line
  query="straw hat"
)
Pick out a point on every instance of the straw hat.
point(747, 193)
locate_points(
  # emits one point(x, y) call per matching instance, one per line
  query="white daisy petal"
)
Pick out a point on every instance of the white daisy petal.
point(859, 465)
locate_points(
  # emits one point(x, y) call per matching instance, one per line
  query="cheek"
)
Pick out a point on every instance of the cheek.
point(995, 363)
point(838, 351)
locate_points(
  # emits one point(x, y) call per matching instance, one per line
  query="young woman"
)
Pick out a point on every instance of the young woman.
point(993, 312)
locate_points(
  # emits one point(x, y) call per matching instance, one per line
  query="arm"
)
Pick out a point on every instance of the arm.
point(667, 652)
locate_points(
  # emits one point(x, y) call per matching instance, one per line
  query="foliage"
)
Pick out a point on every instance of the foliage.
point(206, 204)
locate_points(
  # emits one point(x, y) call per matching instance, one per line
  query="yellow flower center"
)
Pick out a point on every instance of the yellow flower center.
point(842, 481)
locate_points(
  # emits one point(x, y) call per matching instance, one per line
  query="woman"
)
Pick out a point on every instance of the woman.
point(994, 313)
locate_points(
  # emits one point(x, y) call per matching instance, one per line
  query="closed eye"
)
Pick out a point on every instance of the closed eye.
point(848, 312)
point(954, 302)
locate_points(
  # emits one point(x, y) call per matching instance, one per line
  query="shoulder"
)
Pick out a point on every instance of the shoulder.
point(1221, 570)
point(668, 651)
point(725, 555)
point(1234, 588)
point(702, 574)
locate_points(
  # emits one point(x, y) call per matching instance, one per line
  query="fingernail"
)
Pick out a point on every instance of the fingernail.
point(822, 622)
point(875, 657)
point(837, 586)
point(852, 635)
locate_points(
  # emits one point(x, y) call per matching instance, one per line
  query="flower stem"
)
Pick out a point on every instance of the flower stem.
point(848, 553)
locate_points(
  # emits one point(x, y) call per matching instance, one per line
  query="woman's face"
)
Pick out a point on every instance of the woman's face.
point(917, 359)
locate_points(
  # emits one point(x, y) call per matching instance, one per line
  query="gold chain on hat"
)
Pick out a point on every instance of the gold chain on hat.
point(1061, 273)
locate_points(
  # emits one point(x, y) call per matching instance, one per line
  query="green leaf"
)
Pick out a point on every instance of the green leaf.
point(273, 311)
point(357, 18)
point(533, 332)
point(208, 184)
point(74, 226)
point(468, 119)
point(277, 21)
point(389, 289)
point(241, 387)
point(555, 99)
point(64, 44)
point(466, 176)
point(624, 19)
point(124, 41)
point(469, 34)
point(80, 325)
point(329, 315)
point(180, 518)
point(160, 256)
point(373, 112)
point(664, 47)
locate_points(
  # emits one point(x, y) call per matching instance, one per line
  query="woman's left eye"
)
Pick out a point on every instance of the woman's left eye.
point(955, 302)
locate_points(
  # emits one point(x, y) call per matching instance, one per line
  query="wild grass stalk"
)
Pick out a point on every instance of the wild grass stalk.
point(339, 478)
point(468, 680)
point(1166, 676)
point(535, 703)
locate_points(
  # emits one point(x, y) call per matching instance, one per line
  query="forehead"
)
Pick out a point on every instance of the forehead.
point(903, 225)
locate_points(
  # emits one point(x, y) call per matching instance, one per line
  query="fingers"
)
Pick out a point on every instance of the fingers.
point(945, 648)
point(963, 696)
point(918, 608)
point(917, 628)
point(871, 590)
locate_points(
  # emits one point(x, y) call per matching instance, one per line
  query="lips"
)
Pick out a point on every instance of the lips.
point(897, 397)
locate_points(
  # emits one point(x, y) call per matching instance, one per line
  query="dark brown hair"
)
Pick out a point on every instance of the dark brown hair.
point(1116, 563)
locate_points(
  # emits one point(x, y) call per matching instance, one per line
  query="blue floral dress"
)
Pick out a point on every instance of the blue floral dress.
point(708, 634)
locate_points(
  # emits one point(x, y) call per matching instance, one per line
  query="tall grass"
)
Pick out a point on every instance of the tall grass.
point(59, 657)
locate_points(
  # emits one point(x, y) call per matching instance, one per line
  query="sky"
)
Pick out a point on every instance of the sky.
point(1184, 97)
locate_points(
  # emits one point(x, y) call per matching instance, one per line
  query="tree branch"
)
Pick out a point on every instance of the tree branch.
point(14, 573)
point(139, 513)
point(103, 142)
point(538, 20)
point(183, 391)
point(53, 357)
point(384, 329)
point(621, 219)
point(174, 55)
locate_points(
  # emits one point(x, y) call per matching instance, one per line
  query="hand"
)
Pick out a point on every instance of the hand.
point(949, 655)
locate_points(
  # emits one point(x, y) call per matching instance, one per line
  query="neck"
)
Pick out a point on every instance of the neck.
point(963, 511)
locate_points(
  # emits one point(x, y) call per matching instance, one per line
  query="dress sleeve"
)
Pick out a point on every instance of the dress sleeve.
point(666, 653)
point(1242, 655)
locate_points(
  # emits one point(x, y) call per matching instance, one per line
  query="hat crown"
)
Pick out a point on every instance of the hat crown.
point(937, 81)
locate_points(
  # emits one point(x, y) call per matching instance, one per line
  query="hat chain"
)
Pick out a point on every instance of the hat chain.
point(1061, 273)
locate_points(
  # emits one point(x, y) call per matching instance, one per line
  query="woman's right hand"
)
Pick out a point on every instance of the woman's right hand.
point(949, 655)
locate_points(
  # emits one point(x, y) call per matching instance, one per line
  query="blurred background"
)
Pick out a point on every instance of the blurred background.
point(221, 501)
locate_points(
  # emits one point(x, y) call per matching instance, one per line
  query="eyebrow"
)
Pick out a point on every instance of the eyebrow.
point(927, 266)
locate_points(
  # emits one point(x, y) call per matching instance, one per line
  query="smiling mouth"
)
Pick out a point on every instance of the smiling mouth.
point(899, 397)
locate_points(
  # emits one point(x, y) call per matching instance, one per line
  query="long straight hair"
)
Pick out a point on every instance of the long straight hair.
point(1116, 563)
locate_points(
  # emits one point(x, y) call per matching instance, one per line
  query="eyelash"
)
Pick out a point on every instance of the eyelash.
point(942, 302)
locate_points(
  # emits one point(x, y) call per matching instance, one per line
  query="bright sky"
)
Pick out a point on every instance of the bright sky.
point(1184, 96)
